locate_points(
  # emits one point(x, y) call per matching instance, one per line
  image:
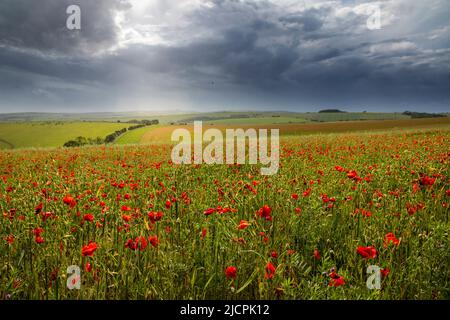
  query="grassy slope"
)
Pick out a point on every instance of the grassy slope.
point(53, 134)
point(134, 136)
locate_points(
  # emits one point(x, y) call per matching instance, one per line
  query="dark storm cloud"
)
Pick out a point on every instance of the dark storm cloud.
point(41, 25)
point(224, 54)
point(310, 20)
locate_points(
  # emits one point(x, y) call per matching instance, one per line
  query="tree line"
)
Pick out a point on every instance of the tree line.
point(82, 141)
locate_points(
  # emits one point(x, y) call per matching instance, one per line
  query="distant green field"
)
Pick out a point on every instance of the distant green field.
point(189, 117)
point(258, 120)
point(134, 136)
point(237, 118)
point(52, 134)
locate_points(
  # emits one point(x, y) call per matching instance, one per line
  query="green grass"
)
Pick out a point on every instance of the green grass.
point(133, 136)
point(379, 191)
point(5, 145)
point(52, 134)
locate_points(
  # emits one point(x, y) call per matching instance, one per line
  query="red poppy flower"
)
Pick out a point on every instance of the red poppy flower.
point(390, 237)
point(336, 280)
point(367, 252)
point(46, 215)
point(307, 192)
point(168, 204)
point(88, 267)
point(353, 175)
point(427, 181)
point(295, 196)
point(130, 244)
point(339, 168)
point(385, 272)
point(316, 254)
point(270, 271)
point(70, 201)
point(209, 211)
point(38, 208)
point(139, 243)
point(126, 217)
point(142, 243)
point(155, 216)
point(37, 231)
point(10, 239)
point(88, 217)
point(39, 239)
point(154, 241)
point(364, 213)
point(126, 208)
point(265, 213)
point(204, 232)
point(89, 249)
point(243, 224)
point(231, 272)
point(274, 254)
point(54, 275)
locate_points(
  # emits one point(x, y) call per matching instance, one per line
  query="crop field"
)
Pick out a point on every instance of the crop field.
point(140, 227)
point(280, 117)
point(162, 134)
point(258, 121)
point(51, 134)
point(43, 134)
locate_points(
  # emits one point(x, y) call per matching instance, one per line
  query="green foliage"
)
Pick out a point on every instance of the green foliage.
point(331, 111)
point(82, 141)
point(419, 115)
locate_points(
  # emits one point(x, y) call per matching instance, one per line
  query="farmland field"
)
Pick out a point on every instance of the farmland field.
point(258, 121)
point(51, 134)
point(141, 227)
point(134, 136)
point(162, 134)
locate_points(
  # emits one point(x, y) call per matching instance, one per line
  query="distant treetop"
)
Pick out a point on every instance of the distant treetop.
point(331, 111)
point(416, 115)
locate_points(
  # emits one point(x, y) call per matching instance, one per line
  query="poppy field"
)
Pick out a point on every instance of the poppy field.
point(140, 227)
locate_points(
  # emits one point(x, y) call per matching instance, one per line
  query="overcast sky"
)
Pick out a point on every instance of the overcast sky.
point(209, 55)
